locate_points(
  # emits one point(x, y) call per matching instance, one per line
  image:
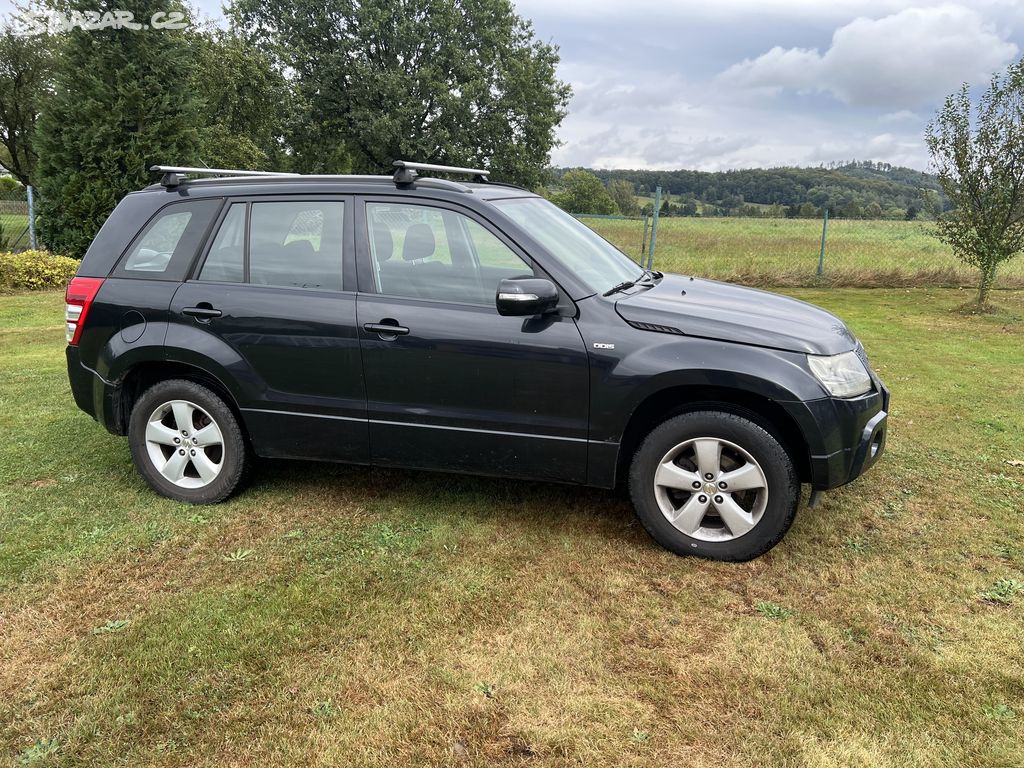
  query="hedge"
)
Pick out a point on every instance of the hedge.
point(35, 270)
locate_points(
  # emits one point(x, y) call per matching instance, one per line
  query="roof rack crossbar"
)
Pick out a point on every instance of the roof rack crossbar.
point(175, 174)
point(406, 171)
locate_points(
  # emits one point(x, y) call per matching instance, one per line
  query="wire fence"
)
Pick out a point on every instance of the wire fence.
point(786, 252)
point(15, 227)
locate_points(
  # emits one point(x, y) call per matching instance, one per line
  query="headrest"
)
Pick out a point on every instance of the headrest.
point(383, 243)
point(419, 243)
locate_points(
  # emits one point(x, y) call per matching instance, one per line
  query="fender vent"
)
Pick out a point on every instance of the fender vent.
point(655, 328)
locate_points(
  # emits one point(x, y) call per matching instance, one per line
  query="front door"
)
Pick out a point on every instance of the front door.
point(268, 305)
point(450, 384)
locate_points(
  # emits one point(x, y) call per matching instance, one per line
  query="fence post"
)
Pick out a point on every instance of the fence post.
point(31, 217)
point(824, 233)
point(654, 226)
point(643, 243)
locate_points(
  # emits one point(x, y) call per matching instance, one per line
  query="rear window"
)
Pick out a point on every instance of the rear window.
point(166, 246)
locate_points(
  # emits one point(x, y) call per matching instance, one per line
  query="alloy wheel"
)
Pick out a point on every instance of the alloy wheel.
point(185, 444)
point(711, 489)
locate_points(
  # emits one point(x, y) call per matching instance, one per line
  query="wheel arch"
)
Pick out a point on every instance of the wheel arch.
point(144, 375)
point(673, 401)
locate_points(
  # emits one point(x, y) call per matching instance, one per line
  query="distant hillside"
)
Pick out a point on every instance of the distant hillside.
point(856, 189)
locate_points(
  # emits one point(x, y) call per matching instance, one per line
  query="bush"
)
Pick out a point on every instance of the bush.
point(35, 270)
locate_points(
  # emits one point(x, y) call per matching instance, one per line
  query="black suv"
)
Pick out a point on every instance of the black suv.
point(466, 327)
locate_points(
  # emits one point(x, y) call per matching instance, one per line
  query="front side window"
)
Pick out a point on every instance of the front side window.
point(169, 242)
point(290, 244)
point(434, 253)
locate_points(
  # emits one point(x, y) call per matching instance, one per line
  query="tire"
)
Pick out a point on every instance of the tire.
point(740, 512)
point(186, 443)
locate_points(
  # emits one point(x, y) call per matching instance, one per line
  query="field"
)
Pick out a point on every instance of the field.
point(785, 252)
point(336, 615)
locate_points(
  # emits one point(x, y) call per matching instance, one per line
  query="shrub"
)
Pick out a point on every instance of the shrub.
point(35, 270)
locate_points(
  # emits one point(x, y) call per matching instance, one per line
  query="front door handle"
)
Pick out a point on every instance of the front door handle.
point(203, 311)
point(387, 329)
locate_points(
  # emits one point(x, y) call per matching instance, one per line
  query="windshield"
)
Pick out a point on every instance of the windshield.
point(592, 259)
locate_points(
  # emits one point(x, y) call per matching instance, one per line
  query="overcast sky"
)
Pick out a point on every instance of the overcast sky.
point(715, 84)
point(745, 83)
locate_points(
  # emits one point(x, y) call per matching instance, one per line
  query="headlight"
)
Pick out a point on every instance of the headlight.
point(841, 375)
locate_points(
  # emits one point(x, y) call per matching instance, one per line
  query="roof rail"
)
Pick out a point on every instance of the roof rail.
point(406, 172)
point(173, 175)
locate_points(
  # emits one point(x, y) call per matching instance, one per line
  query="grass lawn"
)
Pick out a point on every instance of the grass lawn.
point(786, 251)
point(335, 615)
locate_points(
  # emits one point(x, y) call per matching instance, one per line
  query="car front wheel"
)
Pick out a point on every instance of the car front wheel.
point(714, 484)
point(187, 443)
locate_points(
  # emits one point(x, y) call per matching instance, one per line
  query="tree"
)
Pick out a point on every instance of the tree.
point(978, 156)
point(622, 192)
point(246, 101)
point(123, 100)
point(583, 192)
point(456, 82)
point(26, 64)
point(873, 210)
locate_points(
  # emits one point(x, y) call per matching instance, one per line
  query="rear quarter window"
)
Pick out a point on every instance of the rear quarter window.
point(166, 246)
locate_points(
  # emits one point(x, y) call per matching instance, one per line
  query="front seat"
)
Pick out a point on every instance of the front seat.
point(428, 278)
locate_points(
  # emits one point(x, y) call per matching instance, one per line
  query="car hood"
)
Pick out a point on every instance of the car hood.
point(713, 310)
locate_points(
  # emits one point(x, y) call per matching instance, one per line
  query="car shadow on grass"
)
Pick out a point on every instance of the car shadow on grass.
point(555, 506)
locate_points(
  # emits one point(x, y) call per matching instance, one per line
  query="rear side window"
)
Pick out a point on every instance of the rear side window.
point(290, 244)
point(166, 246)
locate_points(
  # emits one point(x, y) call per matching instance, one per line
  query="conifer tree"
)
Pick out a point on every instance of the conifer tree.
point(123, 100)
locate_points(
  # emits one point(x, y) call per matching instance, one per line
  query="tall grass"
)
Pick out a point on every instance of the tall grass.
point(784, 252)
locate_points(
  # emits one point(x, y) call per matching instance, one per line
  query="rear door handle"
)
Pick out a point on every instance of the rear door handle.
point(203, 312)
point(388, 331)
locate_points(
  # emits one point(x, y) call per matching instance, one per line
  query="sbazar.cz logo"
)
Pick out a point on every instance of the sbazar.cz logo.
point(54, 22)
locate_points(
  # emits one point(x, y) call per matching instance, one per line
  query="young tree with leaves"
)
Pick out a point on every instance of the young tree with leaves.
point(582, 192)
point(624, 195)
point(457, 82)
point(123, 100)
point(245, 100)
point(978, 156)
point(26, 68)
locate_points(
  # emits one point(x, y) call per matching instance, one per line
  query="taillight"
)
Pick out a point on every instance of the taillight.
point(77, 300)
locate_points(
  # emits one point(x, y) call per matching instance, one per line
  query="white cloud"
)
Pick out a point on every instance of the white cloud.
point(904, 60)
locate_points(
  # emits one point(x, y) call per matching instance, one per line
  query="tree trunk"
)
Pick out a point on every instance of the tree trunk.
point(988, 276)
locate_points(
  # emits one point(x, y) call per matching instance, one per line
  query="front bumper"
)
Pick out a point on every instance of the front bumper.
point(846, 437)
point(847, 464)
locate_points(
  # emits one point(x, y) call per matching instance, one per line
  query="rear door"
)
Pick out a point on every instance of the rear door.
point(272, 305)
point(450, 383)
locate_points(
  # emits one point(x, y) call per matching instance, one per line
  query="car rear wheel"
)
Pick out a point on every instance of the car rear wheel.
point(187, 443)
point(714, 484)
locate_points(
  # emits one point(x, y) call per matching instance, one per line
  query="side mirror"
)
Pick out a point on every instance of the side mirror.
point(526, 296)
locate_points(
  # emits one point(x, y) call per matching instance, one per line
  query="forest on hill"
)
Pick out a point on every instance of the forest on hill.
point(857, 189)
